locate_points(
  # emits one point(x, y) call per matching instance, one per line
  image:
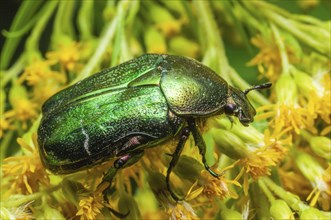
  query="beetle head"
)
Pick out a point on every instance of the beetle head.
point(238, 104)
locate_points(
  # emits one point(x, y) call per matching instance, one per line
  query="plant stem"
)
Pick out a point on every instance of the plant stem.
point(32, 41)
point(100, 50)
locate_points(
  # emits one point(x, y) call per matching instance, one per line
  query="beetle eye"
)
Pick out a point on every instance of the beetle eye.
point(229, 108)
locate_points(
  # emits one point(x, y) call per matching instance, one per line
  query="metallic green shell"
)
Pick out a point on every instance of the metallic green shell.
point(192, 89)
point(102, 82)
point(149, 96)
point(84, 124)
point(90, 130)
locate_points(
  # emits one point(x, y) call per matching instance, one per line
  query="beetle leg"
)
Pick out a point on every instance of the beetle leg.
point(231, 120)
point(198, 139)
point(122, 162)
point(175, 156)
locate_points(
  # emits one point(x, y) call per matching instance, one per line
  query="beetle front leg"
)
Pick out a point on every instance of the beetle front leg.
point(198, 139)
point(175, 156)
point(122, 162)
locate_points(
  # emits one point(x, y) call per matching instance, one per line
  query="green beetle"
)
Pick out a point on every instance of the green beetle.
point(120, 111)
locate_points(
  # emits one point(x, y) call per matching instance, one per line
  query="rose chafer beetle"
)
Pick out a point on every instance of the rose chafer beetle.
point(120, 111)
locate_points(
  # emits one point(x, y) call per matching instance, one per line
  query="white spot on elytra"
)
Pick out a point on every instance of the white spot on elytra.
point(87, 139)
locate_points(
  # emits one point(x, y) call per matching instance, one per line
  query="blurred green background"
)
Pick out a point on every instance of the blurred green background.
point(238, 56)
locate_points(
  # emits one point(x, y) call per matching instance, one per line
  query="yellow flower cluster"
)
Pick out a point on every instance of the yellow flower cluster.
point(26, 171)
point(90, 207)
point(278, 167)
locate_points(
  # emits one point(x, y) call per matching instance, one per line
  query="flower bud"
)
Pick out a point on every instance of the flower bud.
point(229, 144)
point(248, 135)
point(321, 146)
point(286, 89)
point(312, 213)
point(230, 214)
point(303, 81)
point(280, 210)
point(164, 20)
point(188, 168)
point(183, 46)
point(311, 169)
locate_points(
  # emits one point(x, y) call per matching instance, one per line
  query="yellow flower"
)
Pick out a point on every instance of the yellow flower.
point(25, 172)
point(24, 110)
point(43, 92)
point(322, 103)
point(169, 28)
point(90, 207)
point(293, 181)
point(315, 92)
point(37, 72)
point(6, 122)
point(288, 116)
point(217, 187)
point(44, 81)
point(181, 210)
point(155, 41)
point(304, 211)
point(175, 210)
point(319, 178)
point(258, 162)
point(164, 20)
point(67, 55)
point(301, 99)
point(268, 60)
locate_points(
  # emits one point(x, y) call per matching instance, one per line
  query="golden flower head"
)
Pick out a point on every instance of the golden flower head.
point(27, 170)
point(6, 120)
point(36, 72)
point(181, 210)
point(24, 109)
point(67, 54)
point(268, 60)
point(318, 177)
point(90, 207)
point(217, 187)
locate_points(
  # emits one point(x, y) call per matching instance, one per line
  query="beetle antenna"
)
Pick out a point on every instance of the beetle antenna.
point(258, 87)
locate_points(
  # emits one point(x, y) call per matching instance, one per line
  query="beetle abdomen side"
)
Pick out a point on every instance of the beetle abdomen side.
point(86, 131)
point(192, 89)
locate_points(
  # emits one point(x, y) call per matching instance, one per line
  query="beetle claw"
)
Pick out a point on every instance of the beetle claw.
point(105, 193)
point(172, 193)
point(213, 172)
point(117, 213)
